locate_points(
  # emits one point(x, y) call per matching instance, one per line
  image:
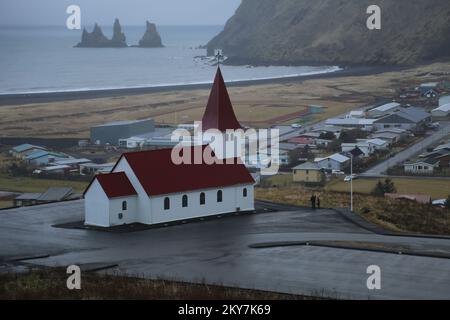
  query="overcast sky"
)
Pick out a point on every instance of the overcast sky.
point(130, 12)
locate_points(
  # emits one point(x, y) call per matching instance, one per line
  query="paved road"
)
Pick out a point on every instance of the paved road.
point(218, 252)
point(408, 153)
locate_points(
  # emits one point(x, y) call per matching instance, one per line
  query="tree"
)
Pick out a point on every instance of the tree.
point(379, 189)
point(327, 136)
point(382, 188)
point(350, 136)
point(389, 186)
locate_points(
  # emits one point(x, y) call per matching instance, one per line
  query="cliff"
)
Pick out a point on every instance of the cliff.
point(299, 32)
point(151, 38)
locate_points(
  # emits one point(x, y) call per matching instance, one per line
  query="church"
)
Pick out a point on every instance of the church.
point(148, 187)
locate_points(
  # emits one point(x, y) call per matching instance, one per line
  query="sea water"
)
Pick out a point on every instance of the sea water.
point(43, 59)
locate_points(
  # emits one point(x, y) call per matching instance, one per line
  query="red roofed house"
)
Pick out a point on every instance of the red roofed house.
point(148, 187)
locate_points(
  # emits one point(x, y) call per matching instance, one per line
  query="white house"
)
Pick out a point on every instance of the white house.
point(132, 142)
point(421, 166)
point(336, 162)
point(148, 187)
point(441, 112)
point(376, 143)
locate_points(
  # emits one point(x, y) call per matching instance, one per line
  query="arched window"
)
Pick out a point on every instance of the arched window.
point(202, 198)
point(124, 205)
point(244, 193)
point(166, 203)
point(185, 201)
point(219, 196)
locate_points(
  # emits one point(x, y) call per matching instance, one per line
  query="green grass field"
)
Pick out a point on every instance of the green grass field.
point(28, 184)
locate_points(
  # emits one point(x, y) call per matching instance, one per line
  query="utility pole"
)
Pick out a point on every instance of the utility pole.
point(351, 183)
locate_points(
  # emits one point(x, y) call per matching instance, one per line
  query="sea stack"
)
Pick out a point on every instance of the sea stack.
point(96, 38)
point(118, 39)
point(151, 38)
point(93, 39)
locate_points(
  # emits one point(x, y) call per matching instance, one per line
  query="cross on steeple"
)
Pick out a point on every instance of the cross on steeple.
point(219, 56)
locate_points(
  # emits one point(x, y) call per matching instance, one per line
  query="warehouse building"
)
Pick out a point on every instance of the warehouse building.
point(111, 133)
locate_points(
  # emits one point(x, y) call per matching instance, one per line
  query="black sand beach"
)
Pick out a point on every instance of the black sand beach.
point(29, 98)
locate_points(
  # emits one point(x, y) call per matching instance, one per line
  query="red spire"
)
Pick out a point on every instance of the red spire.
point(219, 112)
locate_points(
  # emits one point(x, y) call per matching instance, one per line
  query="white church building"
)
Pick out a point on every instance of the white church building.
point(148, 187)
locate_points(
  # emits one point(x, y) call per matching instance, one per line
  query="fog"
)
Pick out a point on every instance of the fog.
point(130, 12)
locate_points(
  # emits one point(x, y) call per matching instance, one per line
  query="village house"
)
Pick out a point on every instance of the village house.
point(44, 157)
point(444, 100)
point(365, 147)
point(426, 166)
point(407, 118)
point(335, 162)
point(354, 123)
point(95, 168)
point(53, 194)
point(308, 172)
point(375, 143)
point(442, 111)
point(21, 151)
point(442, 146)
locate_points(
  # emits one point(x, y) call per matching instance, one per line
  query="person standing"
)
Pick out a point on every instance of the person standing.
point(313, 201)
point(318, 202)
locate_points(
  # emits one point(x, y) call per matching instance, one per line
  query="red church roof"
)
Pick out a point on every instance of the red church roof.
point(115, 185)
point(219, 112)
point(158, 174)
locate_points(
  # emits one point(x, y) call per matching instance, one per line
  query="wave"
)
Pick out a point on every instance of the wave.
point(170, 85)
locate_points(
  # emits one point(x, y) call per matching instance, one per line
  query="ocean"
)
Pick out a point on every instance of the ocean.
point(43, 59)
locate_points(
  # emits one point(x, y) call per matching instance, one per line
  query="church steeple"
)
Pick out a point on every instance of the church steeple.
point(219, 112)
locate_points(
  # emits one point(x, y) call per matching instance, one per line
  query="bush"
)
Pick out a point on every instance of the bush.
point(382, 188)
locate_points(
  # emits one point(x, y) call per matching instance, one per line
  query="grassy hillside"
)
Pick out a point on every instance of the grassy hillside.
point(335, 32)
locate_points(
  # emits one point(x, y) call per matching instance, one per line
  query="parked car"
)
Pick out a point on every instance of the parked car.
point(296, 126)
point(338, 173)
point(350, 178)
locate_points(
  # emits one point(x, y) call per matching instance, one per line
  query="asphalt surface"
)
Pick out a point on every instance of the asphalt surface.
point(408, 153)
point(218, 252)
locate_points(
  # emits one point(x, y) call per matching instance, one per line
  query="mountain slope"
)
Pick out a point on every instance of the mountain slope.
point(335, 32)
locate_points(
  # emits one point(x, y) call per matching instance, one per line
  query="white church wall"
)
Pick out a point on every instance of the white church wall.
point(232, 199)
point(143, 213)
point(96, 206)
point(118, 216)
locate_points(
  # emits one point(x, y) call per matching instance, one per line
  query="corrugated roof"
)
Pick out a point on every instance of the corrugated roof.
point(158, 174)
point(28, 196)
point(25, 147)
point(413, 114)
point(350, 121)
point(378, 142)
point(444, 108)
point(308, 166)
point(55, 194)
point(219, 112)
point(42, 153)
point(116, 185)
point(386, 107)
